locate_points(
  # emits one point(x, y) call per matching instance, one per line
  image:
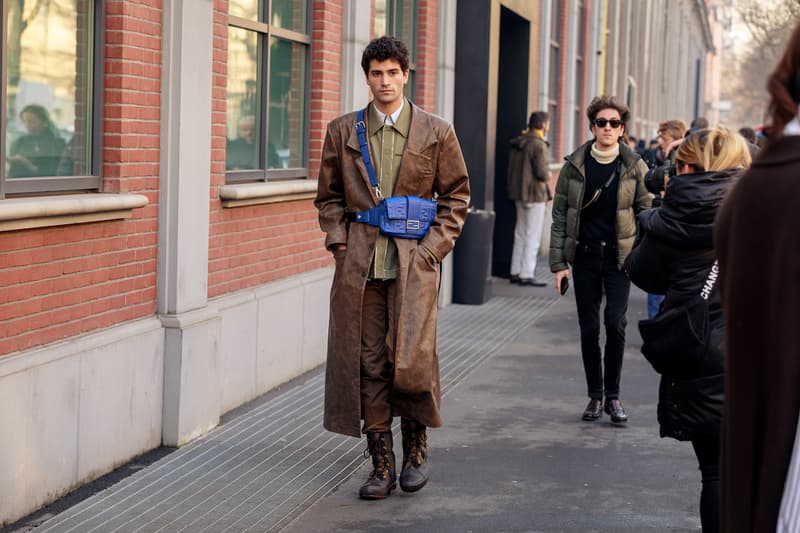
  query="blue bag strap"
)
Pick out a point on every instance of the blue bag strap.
point(361, 128)
point(371, 216)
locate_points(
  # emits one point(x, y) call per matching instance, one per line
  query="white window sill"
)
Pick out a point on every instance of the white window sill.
point(242, 194)
point(44, 211)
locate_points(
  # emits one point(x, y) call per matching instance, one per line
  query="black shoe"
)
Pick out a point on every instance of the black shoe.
point(514, 279)
point(614, 408)
point(530, 282)
point(594, 410)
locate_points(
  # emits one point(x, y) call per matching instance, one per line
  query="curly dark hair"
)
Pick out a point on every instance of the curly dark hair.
point(384, 48)
point(608, 102)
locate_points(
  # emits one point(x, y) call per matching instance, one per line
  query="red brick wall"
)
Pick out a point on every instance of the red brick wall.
point(326, 74)
point(63, 281)
point(427, 17)
point(253, 245)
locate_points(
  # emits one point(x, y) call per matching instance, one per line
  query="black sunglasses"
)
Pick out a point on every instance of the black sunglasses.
point(601, 122)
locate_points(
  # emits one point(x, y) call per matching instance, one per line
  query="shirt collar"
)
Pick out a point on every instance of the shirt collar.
point(399, 119)
point(392, 119)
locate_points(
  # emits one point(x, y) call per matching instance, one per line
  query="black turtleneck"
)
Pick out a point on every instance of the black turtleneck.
point(598, 221)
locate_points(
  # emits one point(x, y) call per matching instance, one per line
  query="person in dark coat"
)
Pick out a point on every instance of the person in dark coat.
point(38, 152)
point(759, 256)
point(599, 191)
point(675, 256)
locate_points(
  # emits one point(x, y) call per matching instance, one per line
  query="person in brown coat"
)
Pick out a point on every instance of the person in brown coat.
point(382, 358)
point(759, 256)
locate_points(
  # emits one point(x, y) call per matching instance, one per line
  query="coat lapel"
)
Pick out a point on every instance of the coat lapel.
point(420, 138)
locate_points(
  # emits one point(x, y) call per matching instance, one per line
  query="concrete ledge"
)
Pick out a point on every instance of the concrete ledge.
point(242, 194)
point(42, 211)
point(271, 334)
point(76, 409)
point(98, 340)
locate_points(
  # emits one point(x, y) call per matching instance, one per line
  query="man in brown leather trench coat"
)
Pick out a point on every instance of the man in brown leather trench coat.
point(382, 359)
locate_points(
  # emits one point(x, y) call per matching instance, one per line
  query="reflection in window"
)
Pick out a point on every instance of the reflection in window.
point(247, 9)
point(380, 24)
point(243, 115)
point(48, 90)
point(286, 104)
point(290, 15)
point(268, 64)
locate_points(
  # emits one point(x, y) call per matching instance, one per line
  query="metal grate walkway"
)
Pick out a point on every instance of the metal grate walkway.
point(261, 469)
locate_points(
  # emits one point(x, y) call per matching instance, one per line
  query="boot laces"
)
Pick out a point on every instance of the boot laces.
point(417, 447)
point(380, 458)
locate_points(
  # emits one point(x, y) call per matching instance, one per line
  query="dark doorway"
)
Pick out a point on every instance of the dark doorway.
point(512, 118)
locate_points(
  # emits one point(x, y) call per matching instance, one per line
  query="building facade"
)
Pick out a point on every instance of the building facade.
point(160, 257)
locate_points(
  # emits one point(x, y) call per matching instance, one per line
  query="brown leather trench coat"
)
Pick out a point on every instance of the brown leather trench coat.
point(432, 166)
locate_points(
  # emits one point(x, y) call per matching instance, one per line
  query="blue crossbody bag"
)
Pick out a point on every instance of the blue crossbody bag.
point(405, 217)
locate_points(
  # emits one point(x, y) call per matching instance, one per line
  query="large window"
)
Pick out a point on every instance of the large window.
point(397, 18)
point(50, 107)
point(267, 108)
point(555, 69)
point(579, 73)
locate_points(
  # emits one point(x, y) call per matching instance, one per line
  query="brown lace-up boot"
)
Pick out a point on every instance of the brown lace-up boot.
point(415, 456)
point(383, 479)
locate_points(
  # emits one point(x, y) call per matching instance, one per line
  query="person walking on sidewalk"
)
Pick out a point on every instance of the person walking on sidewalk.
point(382, 359)
point(675, 256)
point(528, 174)
point(599, 192)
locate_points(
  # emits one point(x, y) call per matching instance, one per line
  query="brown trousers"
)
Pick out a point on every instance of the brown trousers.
point(377, 358)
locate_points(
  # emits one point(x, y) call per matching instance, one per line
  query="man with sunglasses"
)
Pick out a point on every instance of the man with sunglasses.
point(599, 192)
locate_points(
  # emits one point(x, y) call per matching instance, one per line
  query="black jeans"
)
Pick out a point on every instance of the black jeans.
point(708, 455)
point(595, 271)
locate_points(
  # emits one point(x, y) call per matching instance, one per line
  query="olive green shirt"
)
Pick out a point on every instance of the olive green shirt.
point(386, 144)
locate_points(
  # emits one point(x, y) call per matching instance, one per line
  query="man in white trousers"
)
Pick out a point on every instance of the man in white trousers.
point(527, 185)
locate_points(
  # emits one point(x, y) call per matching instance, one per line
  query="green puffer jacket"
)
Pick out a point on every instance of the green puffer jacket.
point(632, 197)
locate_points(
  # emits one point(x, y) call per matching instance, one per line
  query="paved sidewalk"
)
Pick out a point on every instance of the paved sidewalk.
point(513, 455)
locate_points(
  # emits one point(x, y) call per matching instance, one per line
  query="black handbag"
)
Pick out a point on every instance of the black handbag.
point(676, 342)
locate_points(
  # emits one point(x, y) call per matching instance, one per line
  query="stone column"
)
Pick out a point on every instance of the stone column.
point(191, 361)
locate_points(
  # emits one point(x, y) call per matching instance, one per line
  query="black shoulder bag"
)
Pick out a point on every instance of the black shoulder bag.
point(599, 190)
point(676, 342)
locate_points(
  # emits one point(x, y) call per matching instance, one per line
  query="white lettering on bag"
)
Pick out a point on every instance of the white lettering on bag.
point(709, 284)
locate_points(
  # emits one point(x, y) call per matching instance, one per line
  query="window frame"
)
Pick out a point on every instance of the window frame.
point(553, 85)
point(391, 29)
point(40, 185)
point(264, 31)
point(580, 71)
